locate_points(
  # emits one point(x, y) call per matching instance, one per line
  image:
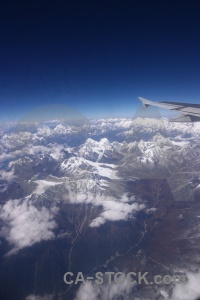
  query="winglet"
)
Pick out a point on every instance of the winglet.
point(145, 102)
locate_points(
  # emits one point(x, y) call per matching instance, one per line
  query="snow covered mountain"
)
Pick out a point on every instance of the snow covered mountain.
point(106, 190)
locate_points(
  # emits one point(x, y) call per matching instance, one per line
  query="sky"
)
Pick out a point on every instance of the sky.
point(97, 57)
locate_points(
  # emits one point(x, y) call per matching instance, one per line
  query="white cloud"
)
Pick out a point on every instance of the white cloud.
point(55, 151)
point(87, 291)
point(27, 150)
point(34, 297)
point(92, 291)
point(43, 185)
point(25, 225)
point(7, 176)
point(189, 290)
point(113, 209)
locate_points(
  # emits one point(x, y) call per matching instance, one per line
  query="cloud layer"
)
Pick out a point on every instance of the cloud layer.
point(92, 291)
point(189, 290)
point(36, 297)
point(113, 209)
point(25, 225)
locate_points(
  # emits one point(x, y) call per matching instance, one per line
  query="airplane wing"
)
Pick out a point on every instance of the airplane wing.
point(189, 112)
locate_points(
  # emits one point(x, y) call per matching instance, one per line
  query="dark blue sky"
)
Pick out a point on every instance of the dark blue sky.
point(97, 56)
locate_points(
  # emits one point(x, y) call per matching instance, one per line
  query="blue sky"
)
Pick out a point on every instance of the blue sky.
point(97, 56)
